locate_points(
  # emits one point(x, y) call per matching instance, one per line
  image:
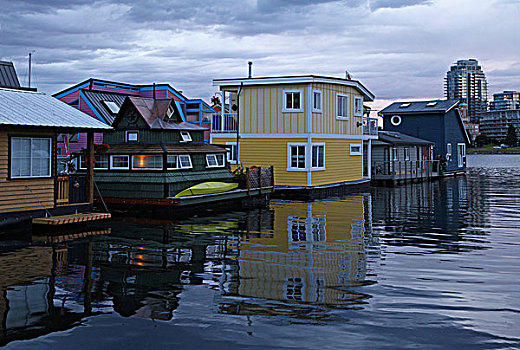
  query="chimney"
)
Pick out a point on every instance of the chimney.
point(250, 63)
point(154, 91)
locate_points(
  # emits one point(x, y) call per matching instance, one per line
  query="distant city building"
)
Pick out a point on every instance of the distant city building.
point(472, 129)
point(494, 124)
point(505, 100)
point(466, 82)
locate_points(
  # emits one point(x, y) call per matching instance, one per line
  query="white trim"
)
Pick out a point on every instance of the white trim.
point(406, 151)
point(354, 153)
point(460, 157)
point(31, 139)
point(292, 110)
point(317, 110)
point(312, 147)
point(186, 137)
point(216, 155)
point(127, 132)
point(397, 122)
point(296, 80)
point(292, 136)
point(356, 113)
point(119, 168)
point(84, 168)
point(180, 163)
point(293, 144)
point(231, 161)
point(449, 150)
point(147, 155)
point(341, 117)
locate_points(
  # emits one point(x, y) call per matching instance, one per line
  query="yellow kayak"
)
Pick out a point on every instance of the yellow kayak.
point(207, 188)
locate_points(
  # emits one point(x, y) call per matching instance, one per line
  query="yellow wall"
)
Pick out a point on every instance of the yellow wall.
point(339, 164)
point(13, 194)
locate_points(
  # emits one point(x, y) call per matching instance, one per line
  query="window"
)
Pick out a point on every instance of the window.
point(296, 155)
point(186, 137)
point(119, 162)
point(181, 161)
point(292, 101)
point(30, 157)
point(395, 154)
point(112, 106)
point(100, 163)
point(448, 150)
point(318, 157)
point(405, 105)
point(294, 288)
point(316, 101)
point(406, 153)
point(431, 104)
point(131, 136)
point(342, 107)
point(232, 154)
point(358, 106)
point(215, 160)
point(147, 162)
point(395, 120)
point(356, 150)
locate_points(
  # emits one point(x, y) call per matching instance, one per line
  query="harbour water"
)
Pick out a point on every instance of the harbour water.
point(428, 265)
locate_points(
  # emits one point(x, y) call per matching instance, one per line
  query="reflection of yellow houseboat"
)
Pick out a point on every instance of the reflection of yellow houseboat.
point(315, 253)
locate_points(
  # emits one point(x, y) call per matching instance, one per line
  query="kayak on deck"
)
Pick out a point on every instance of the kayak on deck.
point(207, 188)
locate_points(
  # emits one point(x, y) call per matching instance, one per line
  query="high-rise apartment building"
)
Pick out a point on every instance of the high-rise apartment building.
point(505, 100)
point(466, 82)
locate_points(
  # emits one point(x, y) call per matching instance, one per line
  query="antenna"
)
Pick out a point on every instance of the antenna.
point(30, 59)
point(250, 75)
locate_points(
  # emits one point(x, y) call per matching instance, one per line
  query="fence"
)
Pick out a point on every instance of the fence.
point(259, 178)
point(224, 123)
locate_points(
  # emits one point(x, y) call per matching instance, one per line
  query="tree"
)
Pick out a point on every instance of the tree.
point(511, 138)
point(215, 101)
point(481, 140)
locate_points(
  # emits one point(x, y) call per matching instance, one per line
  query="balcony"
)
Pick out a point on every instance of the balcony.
point(370, 126)
point(226, 123)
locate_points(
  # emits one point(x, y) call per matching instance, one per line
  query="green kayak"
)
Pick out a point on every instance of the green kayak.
point(207, 188)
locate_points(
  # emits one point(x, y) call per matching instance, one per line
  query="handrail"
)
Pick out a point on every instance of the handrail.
point(407, 168)
point(224, 123)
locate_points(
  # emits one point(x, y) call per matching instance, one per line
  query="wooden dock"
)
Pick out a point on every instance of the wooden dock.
point(71, 219)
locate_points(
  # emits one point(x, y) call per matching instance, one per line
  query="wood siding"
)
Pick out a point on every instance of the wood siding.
point(13, 194)
point(339, 164)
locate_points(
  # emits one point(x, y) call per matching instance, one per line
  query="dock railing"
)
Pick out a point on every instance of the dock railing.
point(369, 126)
point(405, 170)
point(226, 123)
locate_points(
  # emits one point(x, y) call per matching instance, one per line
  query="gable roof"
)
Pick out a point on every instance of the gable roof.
point(25, 108)
point(296, 79)
point(437, 106)
point(153, 111)
point(395, 138)
point(8, 77)
point(97, 98)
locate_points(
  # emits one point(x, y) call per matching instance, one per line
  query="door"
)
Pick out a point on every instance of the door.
point(461, 148)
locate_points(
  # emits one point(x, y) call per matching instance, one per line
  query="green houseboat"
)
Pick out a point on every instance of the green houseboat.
point(153, 154)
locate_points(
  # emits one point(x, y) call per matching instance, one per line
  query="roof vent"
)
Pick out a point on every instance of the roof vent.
point(404, 105)
point(431, 104)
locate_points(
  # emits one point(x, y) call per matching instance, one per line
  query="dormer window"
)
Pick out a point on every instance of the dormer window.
point(170, 112)
point(186, 137)
point(132, 136)
point(404, 105)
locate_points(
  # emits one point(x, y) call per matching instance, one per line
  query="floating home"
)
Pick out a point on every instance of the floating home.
point(30, 186)
point(398, 158)
point(437, 121)
point(153, 154)
point(311, 128)
point(102, 99)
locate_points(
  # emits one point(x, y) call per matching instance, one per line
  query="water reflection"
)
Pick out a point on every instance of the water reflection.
point(406, 254)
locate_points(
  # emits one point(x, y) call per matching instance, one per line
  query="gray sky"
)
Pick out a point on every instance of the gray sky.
point(399, 49)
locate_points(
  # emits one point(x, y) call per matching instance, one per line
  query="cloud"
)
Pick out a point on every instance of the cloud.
point(393, 4)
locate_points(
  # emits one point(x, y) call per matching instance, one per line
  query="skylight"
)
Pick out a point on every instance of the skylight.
point(112, 106)
point(431, 104)
point(404, 105)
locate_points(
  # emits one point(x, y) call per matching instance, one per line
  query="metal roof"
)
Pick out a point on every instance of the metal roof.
point(25, 108)
point(97, 98)
point(432, 106)
point(296, 79)
point(8, 77)
point(394, 138)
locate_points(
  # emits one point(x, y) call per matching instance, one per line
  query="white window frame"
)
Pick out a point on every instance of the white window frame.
point(358, 106)
point(230, 152)
point(461, 155)
point(395, 154)
point(151, 155)
point(215, 156)
point(338, 116)
point(131, 132)
point(178, 163)
point(80, 160)
point(314, 108)
point(292, 110)
point(49, 174)
point(320, 144)
point(449, 150)
point(356, 153)
point(289, 147)
point(119, 168)
point(185, 136)
point(406, 153)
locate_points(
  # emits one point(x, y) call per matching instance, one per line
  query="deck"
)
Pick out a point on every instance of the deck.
point(71, 219)
point(403, 171)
